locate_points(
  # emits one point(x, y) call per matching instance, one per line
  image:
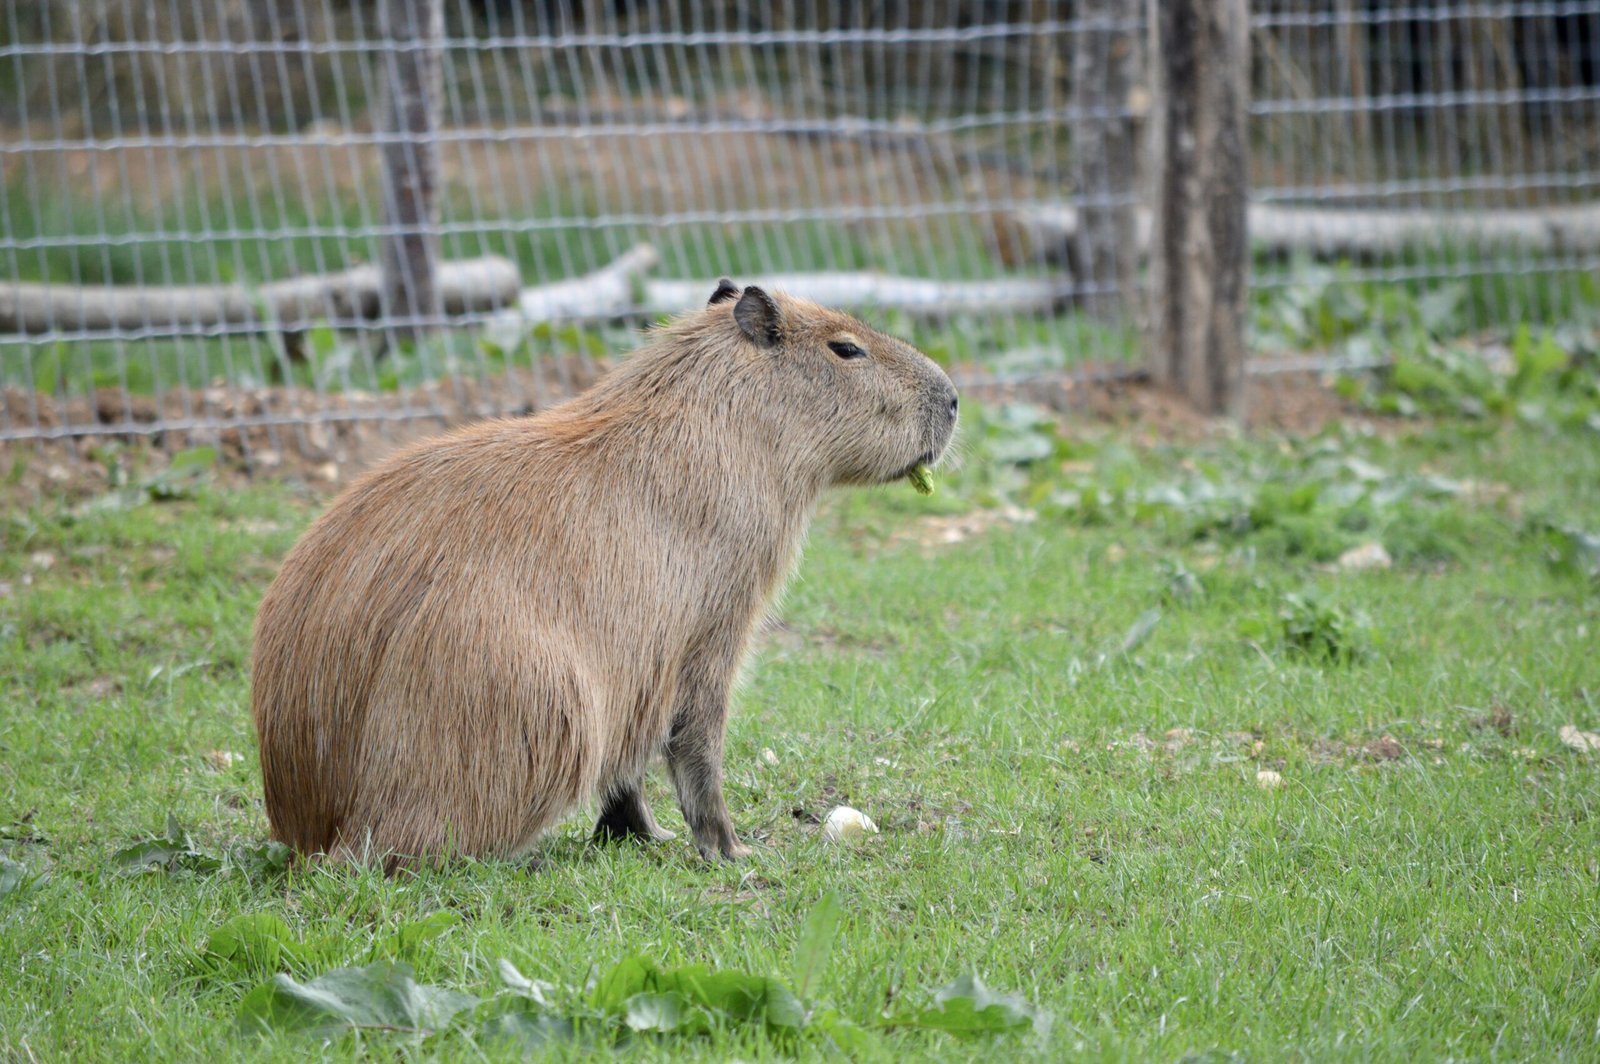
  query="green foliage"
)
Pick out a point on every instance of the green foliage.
point(381, 997)
point(174, 850)
point(168, 852)
point(12, 875)
point(1309, 499)
point(1541, 380)
point(1319, 628)
point(966, 1006)
point(817, 937)
point(184, 477)
point(1568, 549)
point(252, 944)
point(636, 997)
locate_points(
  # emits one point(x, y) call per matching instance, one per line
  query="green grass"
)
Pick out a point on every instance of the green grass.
point(1042, 823)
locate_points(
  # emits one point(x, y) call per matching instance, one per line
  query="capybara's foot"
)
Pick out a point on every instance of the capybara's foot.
point(719, 843)
point(625, 814)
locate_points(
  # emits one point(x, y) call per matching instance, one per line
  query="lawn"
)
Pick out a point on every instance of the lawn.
point(1146, 758)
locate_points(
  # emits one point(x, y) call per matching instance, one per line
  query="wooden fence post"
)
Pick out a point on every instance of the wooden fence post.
point(1105, 72)
point(411, 83)
point(1200, 248)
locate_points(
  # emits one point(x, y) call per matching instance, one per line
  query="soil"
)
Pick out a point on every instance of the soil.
point(1296, 404)
point(323, 441)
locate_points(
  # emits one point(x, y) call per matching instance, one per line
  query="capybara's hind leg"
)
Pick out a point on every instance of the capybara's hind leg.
point(624, 813)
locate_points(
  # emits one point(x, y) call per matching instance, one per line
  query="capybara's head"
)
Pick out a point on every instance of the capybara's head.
point(868, 406)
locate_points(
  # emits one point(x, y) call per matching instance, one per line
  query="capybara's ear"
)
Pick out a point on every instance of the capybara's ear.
point(726, 290)
point(758, 317)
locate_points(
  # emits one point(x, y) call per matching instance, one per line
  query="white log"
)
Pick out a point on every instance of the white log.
point(1362, 232)
point(606, 292)
point(609, 292)
point(465, 287)
point(918, 296)
point(1365, 232)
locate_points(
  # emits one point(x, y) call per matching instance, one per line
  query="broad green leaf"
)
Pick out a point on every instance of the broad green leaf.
point(172, 851)
point(253, 943)
point(659, 1012)
point(408, 936)
point(967, 1006)
point(381, 996)
point(147, 856)
point(265, 859)
point(846, 1036)
point(630, 976)
point(752, 998)
point(521, 1025)
point(11, 874)
point(817, 937)
point(536, 990)
point(740, 996)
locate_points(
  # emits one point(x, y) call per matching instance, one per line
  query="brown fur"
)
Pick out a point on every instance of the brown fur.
point(498, 624)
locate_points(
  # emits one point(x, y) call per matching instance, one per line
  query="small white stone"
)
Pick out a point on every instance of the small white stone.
point(1585, 742)
point(1366, 556)
point(844, 824)
point(768, 756)
point(1267, 779)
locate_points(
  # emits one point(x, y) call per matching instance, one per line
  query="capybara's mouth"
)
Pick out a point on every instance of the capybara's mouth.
point(927, 458)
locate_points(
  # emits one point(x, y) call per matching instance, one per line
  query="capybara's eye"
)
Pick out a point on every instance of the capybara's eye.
point(846, 349)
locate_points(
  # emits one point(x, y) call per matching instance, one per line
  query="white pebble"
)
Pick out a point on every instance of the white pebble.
point(1267, 779)
point(844, 824)
point(768, 756)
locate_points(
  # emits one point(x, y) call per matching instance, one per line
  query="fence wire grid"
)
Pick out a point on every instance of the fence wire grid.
point(929, 161)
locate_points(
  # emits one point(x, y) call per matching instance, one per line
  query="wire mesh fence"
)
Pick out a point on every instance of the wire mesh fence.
point(194, 209)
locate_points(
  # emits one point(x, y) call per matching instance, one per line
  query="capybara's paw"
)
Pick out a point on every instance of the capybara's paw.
point(721, 846)
point(625, 815)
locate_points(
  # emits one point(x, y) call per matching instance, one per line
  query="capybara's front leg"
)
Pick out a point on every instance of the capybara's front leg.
point(625, 812)
point(694, 758)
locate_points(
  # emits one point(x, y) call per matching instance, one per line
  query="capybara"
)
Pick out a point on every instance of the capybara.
point(495, 625)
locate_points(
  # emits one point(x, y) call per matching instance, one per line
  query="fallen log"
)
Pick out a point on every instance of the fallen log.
point(349, 297)
point(1361, 233)
point(621, 290)
point(917, 296)
point(609, 292)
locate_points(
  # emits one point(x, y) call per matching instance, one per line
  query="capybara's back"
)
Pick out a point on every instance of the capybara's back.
point(496, 625)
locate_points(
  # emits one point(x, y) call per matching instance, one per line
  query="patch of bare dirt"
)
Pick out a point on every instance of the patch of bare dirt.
point(1291, 403)
point(324, 440)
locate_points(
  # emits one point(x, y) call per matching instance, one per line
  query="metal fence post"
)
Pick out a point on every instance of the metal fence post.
point(411, 31)
point(1200, 250)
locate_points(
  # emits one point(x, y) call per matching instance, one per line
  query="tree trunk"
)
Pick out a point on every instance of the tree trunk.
point(1104, 156)
point(411, 80)
point(1200, 256)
